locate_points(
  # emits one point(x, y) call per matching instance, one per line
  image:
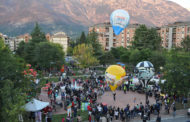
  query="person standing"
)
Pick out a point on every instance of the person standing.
point(174, 111)
point(116, 114)
point(125, 89)
point(158, 119)
point(114, 96)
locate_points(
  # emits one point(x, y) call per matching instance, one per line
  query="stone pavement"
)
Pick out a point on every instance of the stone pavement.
point(123, 99)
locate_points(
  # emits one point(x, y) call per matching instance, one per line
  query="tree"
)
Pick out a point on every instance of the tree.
point(92, 39)
point(69, 51)
point(126, 57)
point(39, 52)
point(47, 53)
point(28, 53)
point(117, 52)
point(146, 38)
point(107, 58)
point(13, 85)
point(20, 50)
point(176, 73)
point(37, 35)
point(82, 38)
point(84, 55)
point(158, 59)
point(186, 44)
point(139, 55)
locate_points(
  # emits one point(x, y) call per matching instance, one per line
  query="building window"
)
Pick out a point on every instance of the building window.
point(182, 36)
point(188, 29)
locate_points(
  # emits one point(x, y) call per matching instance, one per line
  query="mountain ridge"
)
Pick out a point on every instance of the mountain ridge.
point(74, 16)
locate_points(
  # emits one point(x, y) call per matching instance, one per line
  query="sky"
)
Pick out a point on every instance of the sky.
point(184, 3)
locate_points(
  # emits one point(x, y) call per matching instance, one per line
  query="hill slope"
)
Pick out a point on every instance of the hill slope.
point(73, 16)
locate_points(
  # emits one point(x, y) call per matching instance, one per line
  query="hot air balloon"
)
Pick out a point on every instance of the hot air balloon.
point(114, 76)
point(119, 20)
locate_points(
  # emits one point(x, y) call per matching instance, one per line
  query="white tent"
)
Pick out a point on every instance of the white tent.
point(35, 105)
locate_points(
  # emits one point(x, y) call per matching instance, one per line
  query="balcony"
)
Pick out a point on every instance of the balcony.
point(174, 30)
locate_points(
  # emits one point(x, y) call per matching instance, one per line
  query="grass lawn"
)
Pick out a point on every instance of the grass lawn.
point(58, 118)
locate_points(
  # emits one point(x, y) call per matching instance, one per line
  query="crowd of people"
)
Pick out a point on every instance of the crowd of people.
point(89, 90)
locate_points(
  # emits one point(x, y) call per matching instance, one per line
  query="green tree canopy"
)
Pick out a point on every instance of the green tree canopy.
point(37, 35)
point(176, 73)
point(82, 38)
point(117, 52)
point(146, 38)
point(140, 55)
point(39, 52)
point(13, 85)
point(186, 43)
point(47, 53)
point(84, 55)
point(92, 39)
point(107, 58)
point(158, 59)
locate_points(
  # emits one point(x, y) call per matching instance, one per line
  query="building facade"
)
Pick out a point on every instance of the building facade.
point(59, 38)
point(173, 34)
point(108, 39)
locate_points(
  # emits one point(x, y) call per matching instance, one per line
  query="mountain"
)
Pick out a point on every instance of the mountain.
point(74, 16)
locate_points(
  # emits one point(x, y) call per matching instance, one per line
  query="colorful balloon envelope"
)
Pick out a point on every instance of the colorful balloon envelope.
point(114, 76)
point(119, 20)
point(145, 70)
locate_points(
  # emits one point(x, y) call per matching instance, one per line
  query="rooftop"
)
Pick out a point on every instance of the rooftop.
point(59, 35)
point(178, 24)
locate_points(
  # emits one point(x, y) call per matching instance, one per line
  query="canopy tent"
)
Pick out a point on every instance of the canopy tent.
point(35, 105)
point(121, 64)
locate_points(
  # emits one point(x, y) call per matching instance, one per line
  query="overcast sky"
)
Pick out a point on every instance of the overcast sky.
point(184, 3)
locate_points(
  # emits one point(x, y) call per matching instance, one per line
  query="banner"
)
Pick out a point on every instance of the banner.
point(84, 106)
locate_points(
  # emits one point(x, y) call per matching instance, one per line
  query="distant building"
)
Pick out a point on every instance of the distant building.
point(25, 38)
point(48, 36)
point(173, 34)
point(108, 39)
point(59, 38)
point(13, 42)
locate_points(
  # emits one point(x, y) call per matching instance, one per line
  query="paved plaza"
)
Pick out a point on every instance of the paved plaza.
point(123, 99)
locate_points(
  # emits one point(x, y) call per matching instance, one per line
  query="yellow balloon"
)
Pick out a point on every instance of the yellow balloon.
point(114, 75)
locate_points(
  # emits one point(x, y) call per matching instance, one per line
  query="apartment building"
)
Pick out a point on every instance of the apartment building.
point(59, 38)
point(8, 41)
point(173, 34)
point(108, 39)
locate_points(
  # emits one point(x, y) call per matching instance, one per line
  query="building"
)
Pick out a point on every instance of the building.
point(173, 34)
point(8, 41)
point(59, 38)
point(13, 42)
point(108, 39)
